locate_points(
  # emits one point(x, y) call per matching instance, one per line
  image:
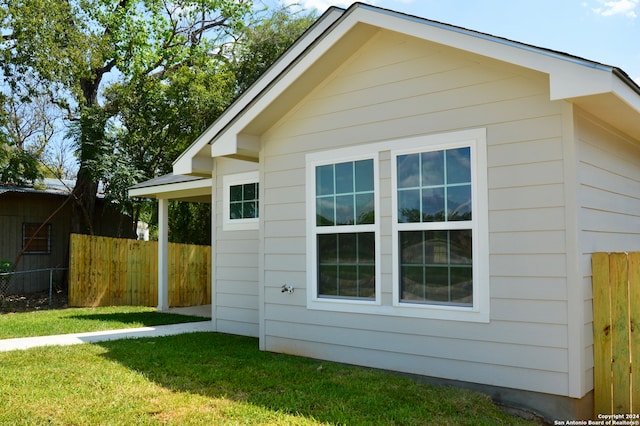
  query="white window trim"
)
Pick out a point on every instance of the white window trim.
point(476, 140)
point(334, 157)
point(228, 181)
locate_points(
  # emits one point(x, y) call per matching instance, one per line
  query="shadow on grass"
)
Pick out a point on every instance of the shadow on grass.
point(146, 319)
point(231, 367)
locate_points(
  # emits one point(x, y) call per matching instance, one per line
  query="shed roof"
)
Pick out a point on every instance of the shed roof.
point(50, 186)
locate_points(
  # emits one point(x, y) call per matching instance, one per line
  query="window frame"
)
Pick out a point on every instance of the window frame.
point(337, 156)
point(385, 188)
point(476, 141)
point(26, 238)
point(228, 181)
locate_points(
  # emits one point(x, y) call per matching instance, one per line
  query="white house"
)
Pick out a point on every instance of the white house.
point(408, 195)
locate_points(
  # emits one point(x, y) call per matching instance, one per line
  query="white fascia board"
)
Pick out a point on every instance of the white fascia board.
point(182, 164)
point(626, 93)
point(228, 140)
point(569, 76)
point(180, 189)
point(572, 82)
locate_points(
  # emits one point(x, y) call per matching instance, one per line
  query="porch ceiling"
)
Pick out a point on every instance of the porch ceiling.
point(175, 187)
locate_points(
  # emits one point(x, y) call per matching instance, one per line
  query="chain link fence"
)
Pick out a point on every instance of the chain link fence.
point(5, 279)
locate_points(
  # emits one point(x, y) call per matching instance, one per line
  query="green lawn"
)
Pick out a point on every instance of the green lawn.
point(78, 320)
point(217, 379)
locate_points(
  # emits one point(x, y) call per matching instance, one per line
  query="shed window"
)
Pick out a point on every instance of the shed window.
point(36, 238)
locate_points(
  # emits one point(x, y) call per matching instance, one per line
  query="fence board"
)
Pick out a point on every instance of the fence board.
point(619, 276)
point(603, 397)
point(634, 322)
point(616, 316)
point(108, 271)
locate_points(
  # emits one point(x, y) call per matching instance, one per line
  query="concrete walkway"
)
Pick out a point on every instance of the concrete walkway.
point(102, 336)
point(125, 333)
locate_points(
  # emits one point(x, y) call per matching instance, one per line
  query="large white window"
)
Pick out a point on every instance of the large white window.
point(342, 235)
point(434, 232)
point(240, 201)
point(439, 223)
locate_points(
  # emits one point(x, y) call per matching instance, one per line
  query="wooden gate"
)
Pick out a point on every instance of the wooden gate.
point(616, 346)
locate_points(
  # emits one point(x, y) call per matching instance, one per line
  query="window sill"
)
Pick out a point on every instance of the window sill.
point(407, 310)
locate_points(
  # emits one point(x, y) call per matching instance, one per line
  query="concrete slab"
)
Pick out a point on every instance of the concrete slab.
point(102, 336)
point(198, 311)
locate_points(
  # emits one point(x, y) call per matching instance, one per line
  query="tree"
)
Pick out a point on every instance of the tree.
point(24, 133)
point(71, 49)
point(266, 40)
point(157, 118)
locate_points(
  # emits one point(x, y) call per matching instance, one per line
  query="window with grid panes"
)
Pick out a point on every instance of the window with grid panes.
point(344, 207)
point(435, 227)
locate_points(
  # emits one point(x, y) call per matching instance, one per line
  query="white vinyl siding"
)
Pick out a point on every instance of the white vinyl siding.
point(235, 256)
point(397, 87)
point(608, 205)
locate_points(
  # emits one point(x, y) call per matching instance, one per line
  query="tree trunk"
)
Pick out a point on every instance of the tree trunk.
point(84, 203)
point(92, 122)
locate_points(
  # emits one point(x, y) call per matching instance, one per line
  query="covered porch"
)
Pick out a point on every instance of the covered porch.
point(166, 188)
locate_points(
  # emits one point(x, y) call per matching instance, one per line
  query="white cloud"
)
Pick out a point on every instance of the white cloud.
point(323, 5)
point(618, 7)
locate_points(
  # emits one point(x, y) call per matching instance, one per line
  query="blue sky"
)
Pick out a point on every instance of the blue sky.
point(606, 31)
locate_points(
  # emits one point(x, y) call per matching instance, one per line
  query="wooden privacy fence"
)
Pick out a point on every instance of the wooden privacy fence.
point(616, 318)
point(111, 271)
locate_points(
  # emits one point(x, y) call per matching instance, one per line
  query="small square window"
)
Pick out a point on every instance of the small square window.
point(241, 201)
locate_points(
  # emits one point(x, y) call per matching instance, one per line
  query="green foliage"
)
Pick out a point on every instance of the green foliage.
point(266, 40)
point(64, 51)
point(190, 223)
point(17, 166)
point(137, 80)
point(5, 265)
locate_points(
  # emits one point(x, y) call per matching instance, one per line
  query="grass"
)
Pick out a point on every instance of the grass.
point(78, 320)
point(217, 379)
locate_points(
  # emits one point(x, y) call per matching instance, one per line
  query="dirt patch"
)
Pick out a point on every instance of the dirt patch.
point(33, 302)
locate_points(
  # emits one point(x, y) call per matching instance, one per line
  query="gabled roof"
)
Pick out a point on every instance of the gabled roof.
point(603, 90)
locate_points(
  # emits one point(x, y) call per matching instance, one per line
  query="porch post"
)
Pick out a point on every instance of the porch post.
point(163, 254)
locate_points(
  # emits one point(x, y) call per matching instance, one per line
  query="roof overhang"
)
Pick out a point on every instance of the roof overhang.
point(603, 90)
point(197, 159)
point(173, 187)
